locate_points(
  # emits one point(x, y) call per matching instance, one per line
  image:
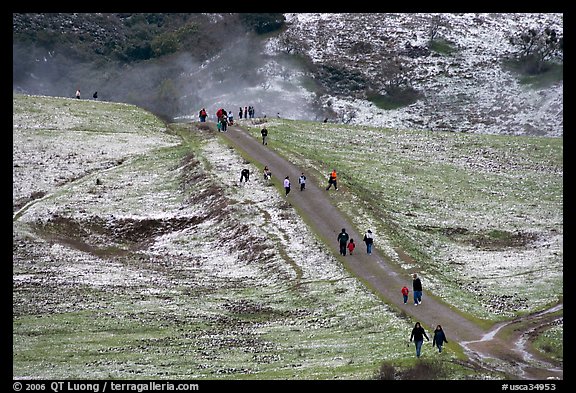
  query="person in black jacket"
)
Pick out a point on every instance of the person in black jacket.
point(244, 175)
point(417, 289)
point(439, 338)
point(418, 335)
point(343, 241)
point(264, 133)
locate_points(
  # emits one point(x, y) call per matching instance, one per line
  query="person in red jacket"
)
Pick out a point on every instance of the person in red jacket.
point(351, 246)
point(405, 292)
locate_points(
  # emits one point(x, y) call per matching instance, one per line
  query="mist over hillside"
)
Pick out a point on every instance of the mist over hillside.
point(315, 67)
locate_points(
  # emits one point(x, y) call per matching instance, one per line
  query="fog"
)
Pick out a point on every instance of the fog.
point(177, 87)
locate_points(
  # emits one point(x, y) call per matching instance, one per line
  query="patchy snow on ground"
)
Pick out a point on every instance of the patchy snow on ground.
point(467, 91)
point(229, 274)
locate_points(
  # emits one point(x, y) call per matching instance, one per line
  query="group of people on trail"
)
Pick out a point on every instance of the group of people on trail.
point(78, 94)
point(347, 244)
point(418, 334)
point(223, 120)
point(287, 184)
point(248, 112)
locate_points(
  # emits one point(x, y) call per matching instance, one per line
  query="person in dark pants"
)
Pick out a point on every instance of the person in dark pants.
point(244, 175)
point(302, 181)
point(418, 335)
point(287, 185)
point(332, 180)
point(439, 338)
point(343, 241)
point(369, 240)
point(417, 289)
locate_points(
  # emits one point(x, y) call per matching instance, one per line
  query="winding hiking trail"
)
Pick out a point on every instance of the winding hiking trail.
point(490, 349)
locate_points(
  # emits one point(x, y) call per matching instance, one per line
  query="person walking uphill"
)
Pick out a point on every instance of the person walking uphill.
point(287, 185)
point(332, 180)
point(418, 335)
point(417, 289)
point(302, 181)
point(439, 338)
point(369, 240)
point(264, 133)
point(343, 241)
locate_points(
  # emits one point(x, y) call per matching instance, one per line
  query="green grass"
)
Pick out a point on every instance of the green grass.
point(489, 186)
point(551, 342)
point(191, 325)
point(442, 46)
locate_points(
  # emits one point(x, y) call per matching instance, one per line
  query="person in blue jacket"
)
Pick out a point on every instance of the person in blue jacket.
point(439, 338)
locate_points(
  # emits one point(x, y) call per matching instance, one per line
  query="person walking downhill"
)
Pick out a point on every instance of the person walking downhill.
point(332, 180)
point(417, 289)
point(343, 241)
point(287, 185)
point(439, 338)
point(351, 246)
point(418, 335)
point(369, 240)
point(405, 291)
point(302, 181)
point(264, 133)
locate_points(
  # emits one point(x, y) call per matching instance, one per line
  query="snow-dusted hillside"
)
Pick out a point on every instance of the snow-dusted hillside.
point(466, 91)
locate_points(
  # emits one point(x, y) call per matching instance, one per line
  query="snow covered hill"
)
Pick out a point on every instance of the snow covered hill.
point(465, 91)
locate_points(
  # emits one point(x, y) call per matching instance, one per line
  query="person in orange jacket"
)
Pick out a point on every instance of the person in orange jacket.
point(332, 180)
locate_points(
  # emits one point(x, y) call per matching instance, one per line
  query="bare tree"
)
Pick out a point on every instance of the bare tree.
point(536, 47)
point(436, 23)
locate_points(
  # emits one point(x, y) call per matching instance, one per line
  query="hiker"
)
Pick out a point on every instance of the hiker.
point(332, 180)
point(369, 240)
point(202, 115)
point(343, 240)
point(417, 289)
point(245, 174)
point(230, 118)
point(95, 95)
point(405, 291)
point(418, 335)
point(287, 185)
point(224, 123)
point(439, 338)
point(240, 113)
point(351, 246)
point(302, 181)
point(264, 133)
point(78, 93)
point(267, 173)
point(224, 120)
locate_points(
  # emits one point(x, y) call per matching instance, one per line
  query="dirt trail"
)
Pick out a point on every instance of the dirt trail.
point(485, 348)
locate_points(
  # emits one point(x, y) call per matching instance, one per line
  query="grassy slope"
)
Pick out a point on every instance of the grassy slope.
point(475, 214)
point(178, 306)
point(184, 327)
